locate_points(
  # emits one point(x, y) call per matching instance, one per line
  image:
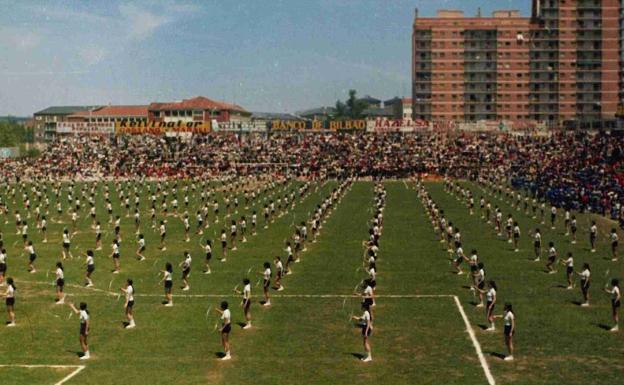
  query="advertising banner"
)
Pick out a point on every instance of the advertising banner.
point(161, 128)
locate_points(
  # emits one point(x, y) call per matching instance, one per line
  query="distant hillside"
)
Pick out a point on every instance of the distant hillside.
point(17, 119)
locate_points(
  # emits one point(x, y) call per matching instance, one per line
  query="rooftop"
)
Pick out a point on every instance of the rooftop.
point(196, 103)
point(131, 110)
point(64, 110)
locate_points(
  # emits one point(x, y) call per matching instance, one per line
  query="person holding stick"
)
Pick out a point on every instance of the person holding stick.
point(366, 323)
point(226, 328)
point(616, 297)
point(85, 322)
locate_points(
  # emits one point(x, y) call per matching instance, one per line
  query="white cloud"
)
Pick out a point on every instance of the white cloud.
point(92, 54)
point(142, 22)
point(19, 38)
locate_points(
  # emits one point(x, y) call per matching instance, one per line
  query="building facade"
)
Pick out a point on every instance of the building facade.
point(46, 121)
point(560, 67)
point(198, 109)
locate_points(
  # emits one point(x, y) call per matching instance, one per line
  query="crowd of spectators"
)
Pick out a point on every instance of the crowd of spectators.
point(581, 171)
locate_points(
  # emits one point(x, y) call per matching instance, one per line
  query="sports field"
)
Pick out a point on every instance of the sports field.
point(427, 329)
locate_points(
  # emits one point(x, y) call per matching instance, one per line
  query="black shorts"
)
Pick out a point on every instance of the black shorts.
point(32, 258)
point(459, 260)
point(130, 304)
point(551, 259)
point(185, 273)
point(141, 249)
point(3, 267)
point(614, 244)
point(487, 307)
point(227, 329)
point(168, 286)
point(10, 301)
point(223, 244)
point(508, 332)
point(208, 256)
point(569, 269)
point(116, 229)
point(481, 285)
point(368, 301)
point(98, 236)
point(24, 236)
point(116, 256)
point(83, 329)
point(44, 229)
point(66, 246)
point(233, 235)
point(615, 304)
point(373, 284)
point(90, 268)
point(267, 283)
point(60, 282)
point(365, 333)
point(473, 268)
point(537, 245)
point(162, 236)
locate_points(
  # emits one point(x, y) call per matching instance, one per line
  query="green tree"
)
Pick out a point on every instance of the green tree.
point(352, 108)
point(341, 110)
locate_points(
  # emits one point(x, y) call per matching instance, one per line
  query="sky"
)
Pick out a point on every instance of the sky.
point(265, 55)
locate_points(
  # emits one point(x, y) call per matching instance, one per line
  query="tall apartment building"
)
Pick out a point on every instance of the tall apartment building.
point(561, 66)
point(471, 68)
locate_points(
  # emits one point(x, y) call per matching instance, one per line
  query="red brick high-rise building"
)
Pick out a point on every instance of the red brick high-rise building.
point(560, 66)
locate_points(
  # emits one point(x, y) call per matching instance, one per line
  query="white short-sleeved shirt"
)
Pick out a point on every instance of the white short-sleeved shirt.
point(59, 273)
point(615, 292)
point(508, 318)
point(84, 316)
point(368, 291)
point(65, 238)
point(208, 249)
point(167, 276)
point(366, 317)
point(490, 295)
point(10, 292)
point(247, 291)
point(267, 274)
point(130, 293)
point(226, 316)
point(585, 274)
point(90, 260)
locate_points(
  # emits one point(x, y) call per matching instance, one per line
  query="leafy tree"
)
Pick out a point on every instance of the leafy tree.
point(352, 108)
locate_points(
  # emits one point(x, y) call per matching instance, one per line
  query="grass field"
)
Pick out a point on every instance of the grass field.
point(305, 337)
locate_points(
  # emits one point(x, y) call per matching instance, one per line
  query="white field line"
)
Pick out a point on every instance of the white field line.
point(77, 369)
point(475, 342)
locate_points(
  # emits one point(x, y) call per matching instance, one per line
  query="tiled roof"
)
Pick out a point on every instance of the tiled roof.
point(114, 111)
point(64, 110)
point(197, 103)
